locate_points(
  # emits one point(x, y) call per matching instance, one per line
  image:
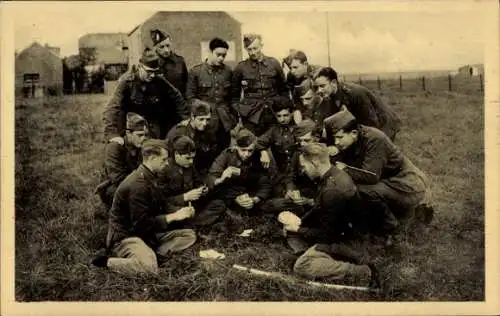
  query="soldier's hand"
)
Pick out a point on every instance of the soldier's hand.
point(185, 212)
point(118, 140)
point(264, 159)
point(228, 172)
point(293, 195)
point(193, 195)
point(245, 201)
point(292, 228)
point(332, 150)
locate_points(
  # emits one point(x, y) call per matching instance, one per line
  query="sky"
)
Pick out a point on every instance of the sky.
point(360, 41)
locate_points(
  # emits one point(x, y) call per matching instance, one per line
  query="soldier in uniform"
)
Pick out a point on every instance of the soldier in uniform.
point(139, 227)
point(183, 185)
point(139, 90)
point(324, 224)
point(172, 66)
point(210, 81)
point(121, 160)
point(239, 177)
point(390, 183)
point(259, 79)
point(362, 103)
point(197, 127)
point(300, 70)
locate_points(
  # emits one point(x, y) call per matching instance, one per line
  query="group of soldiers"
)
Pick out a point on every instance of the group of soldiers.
point(190, 149)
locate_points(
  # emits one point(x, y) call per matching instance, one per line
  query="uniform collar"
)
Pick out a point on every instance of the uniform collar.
point(211, 67)
point(265, 61)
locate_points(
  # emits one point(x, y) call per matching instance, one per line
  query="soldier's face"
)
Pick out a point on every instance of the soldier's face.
point(306, 139)
point(245, 152)
point(136, 138)
point(184, 160)
point(218, 56)
point(325, 87)
point(200, 122)
point(308, 168)
point(298, 69)
point(254, 50)
point(308, 98)
point(159, 162)
point(284, 117)
point(344, 140)
point(164, 49)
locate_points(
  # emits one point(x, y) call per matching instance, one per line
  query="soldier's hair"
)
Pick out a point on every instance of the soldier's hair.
point(305, 86)
point(200, 108)
point(299, 55)
point(351, 126)
point(282, 103)
point(153, 147)
point(327, 72)
point(216, 43)
point(316, 152)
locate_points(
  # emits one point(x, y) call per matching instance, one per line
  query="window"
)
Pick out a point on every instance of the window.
point(31, 78)
point(231, 52)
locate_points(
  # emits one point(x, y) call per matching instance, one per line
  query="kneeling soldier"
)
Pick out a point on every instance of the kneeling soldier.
point(390, 183)
point(120, 160)
point(138, 223)
point(183, 185)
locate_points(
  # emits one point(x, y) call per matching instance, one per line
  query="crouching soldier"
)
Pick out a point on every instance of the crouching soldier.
point(138, 223)
point(239, 177)
point(388, 182)
point(323, 226)
point(198, 128)
point(183, 185)
point(120, 160)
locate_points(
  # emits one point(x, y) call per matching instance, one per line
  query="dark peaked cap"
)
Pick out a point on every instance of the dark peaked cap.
point(338, 121)
point(158, 36)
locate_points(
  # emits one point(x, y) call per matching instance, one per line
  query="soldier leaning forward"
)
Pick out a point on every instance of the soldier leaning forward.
point(121, 159)
point(198, 128)
point(260, 79)
point(144, 93)
point(139, 226)
point(239, 177)
point(182, 184)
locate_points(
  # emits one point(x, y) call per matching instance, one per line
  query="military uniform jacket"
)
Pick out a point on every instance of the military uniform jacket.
point(207, 145)
point(137, 209)
point(213, 85)
point(281, 140)
point(336, 196)
point(254, 179)
point(175, 181)
point(293, 83)
point(157, 101)
point(367, 108)
point(174, 69)
point(374, 152)
point(296, 179)
point(260, 81)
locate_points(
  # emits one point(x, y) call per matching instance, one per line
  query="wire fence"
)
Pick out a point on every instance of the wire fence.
point(451, 83)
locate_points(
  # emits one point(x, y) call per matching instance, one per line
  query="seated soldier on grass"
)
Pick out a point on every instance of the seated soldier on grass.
point(323, 226)
point(198, 128)
point(138, 224)
point(239, 177)
point(120, 160)
point(389, 183)
point(182, 185)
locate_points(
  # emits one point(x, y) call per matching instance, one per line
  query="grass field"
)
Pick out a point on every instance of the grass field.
point(58, 161)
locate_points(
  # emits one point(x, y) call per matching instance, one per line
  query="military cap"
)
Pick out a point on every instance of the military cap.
point(158, 36)
point(338, 121)
point(135, 122)
point(149, 58)
point(152, 147)
point(184, 145)
point(304, 127)
point(245, 138)
point(200, 108)
point(248, 39)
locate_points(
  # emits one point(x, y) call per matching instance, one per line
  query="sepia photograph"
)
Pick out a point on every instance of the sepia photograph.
point(230, 152)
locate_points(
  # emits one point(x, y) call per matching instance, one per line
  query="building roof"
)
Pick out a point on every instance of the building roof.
point(164, 13)
point(112, 56)
point(36, 45)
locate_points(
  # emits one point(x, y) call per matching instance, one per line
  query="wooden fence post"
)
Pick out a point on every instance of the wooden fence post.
point(360, 81)
point(343, 78)
point(379, 84)
point(481, 82)
point(449, 82)
point(423, 83)
point(400, 83)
